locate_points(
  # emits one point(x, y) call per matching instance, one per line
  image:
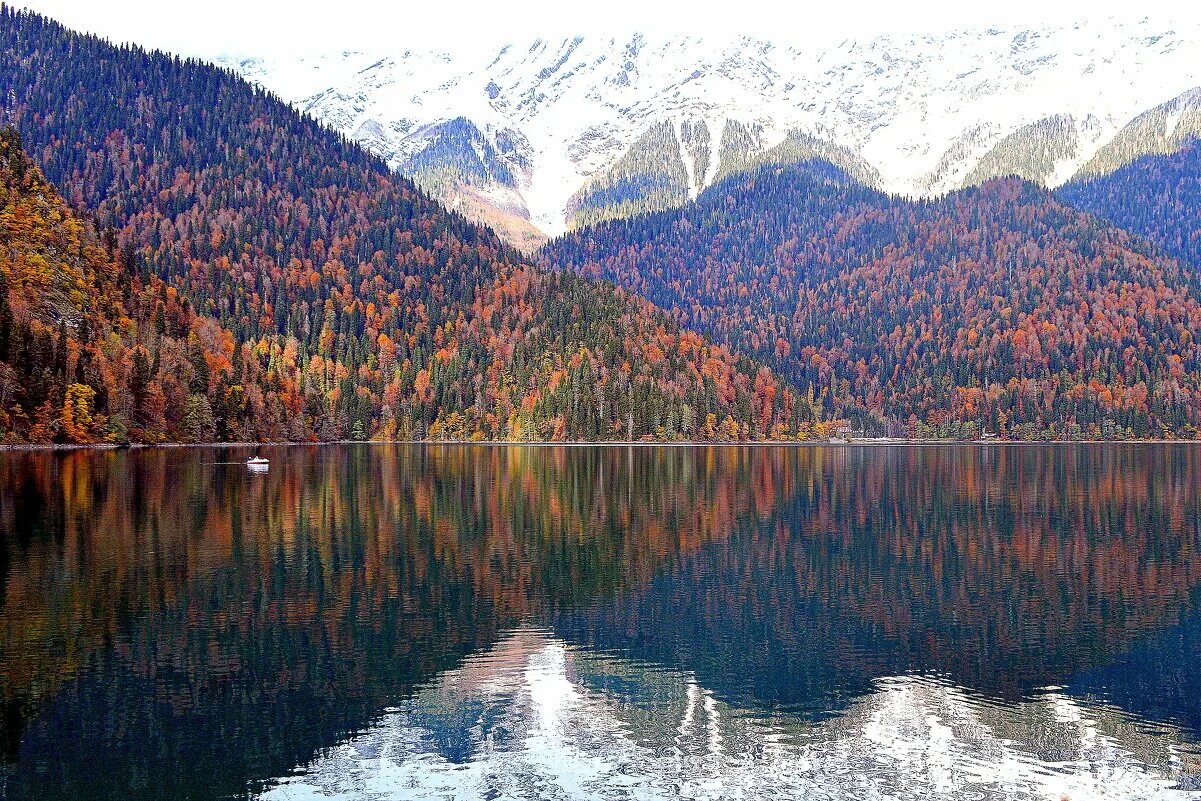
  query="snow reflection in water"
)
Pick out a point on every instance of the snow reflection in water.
point(538, 718)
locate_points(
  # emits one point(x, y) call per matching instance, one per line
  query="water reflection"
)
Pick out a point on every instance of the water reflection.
point(175, 628)
point(539, 718)
point(1005, 570)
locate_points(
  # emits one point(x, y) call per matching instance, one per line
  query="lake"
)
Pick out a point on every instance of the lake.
point(461, 622)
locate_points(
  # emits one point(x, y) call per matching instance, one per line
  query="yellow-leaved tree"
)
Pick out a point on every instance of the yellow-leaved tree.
point(78, 422)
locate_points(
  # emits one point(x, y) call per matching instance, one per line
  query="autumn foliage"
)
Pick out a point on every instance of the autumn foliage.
point(993, 309)
point(246, 274)
point(1157, 197)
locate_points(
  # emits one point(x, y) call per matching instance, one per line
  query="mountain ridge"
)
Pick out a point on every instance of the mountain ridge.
point(302, 291)
point(995, 308)
point(922, 112)
point(1157, 196)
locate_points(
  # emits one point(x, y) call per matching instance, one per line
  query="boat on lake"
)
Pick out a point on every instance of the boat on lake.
point(257, 463)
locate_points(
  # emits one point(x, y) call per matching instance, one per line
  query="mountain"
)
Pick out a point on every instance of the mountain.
point(1044, 152)
point(1156, 196)
point(1148, 179)
point(996, 307)
point(1163, 130)
point(60, 299)
point(657, 173)
point(318, 295)
point(552, 134)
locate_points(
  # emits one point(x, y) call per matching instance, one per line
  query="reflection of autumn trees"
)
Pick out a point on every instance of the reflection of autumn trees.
point(205, 630)
point(1008, 569)
point(236, 623)
point(203, 627)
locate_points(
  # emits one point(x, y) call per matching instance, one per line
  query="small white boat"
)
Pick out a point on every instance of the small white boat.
point(257, 463)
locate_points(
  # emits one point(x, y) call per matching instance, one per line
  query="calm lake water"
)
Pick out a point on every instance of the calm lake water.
point(395, 622)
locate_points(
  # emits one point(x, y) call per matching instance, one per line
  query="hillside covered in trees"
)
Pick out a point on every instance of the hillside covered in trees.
point(256, 276)
point(1157, 197)
point(993, 309)
point(238, 272)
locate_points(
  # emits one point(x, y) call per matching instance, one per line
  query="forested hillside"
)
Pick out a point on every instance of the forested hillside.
point(62, 297)
point(282, 278)
point(996, 308)
point(1157, 197)
point(653, 175)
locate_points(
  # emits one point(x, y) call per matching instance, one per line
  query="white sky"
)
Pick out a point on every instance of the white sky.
point(273, 27)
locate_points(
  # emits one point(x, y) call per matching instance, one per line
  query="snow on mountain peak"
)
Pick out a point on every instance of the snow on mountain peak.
point(538, 123)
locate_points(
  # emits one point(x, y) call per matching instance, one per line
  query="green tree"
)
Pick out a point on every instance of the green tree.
point(198, 422)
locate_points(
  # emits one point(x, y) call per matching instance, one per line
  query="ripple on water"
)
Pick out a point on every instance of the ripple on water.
point(538, 718)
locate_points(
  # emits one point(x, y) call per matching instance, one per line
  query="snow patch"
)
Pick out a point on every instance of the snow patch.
point(686, 158)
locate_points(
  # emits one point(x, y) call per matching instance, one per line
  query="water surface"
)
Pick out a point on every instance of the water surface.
point(522, 622)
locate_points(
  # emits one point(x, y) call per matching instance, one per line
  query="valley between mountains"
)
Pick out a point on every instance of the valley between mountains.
point(603, 240)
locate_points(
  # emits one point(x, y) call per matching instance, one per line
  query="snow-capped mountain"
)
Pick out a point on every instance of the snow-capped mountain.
point(558, 132)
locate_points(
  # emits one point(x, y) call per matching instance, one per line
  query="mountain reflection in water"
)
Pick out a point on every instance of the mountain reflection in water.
point(539, 718)
point(386, 621)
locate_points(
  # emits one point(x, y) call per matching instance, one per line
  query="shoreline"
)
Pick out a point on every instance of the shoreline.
point(861, 443)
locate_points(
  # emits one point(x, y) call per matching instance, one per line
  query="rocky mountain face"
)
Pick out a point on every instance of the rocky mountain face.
point(539, 138)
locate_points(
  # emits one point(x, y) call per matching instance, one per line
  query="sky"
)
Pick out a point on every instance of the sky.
point(272, 27)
